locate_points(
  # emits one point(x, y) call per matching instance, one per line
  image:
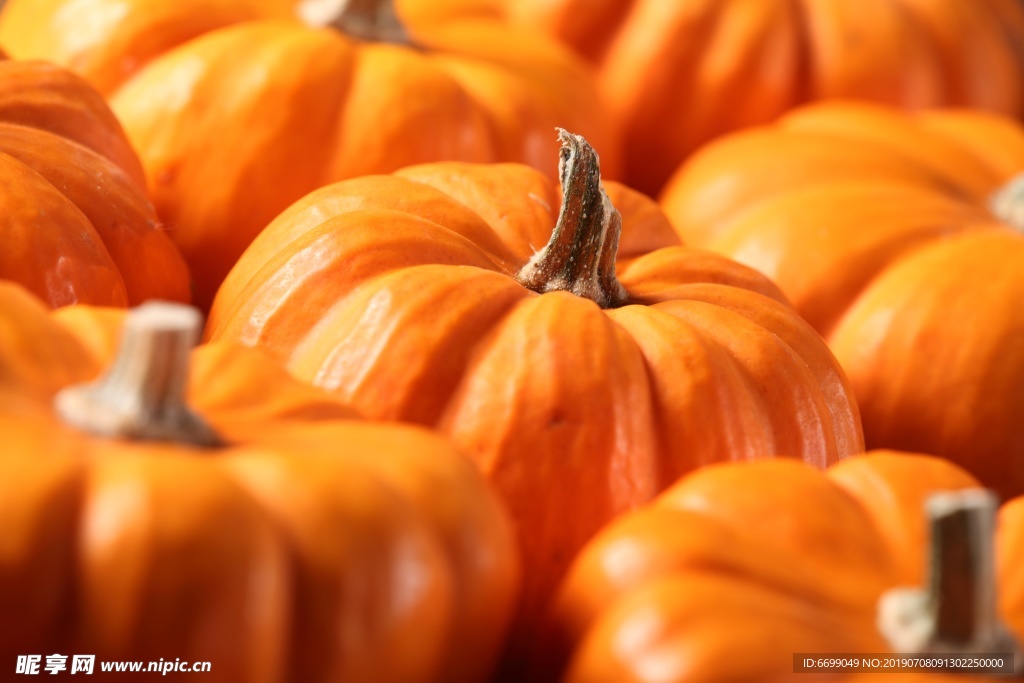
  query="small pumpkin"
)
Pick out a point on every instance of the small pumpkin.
point(470, 298)
point(238, 108)
point(245, 519)
point(738, 568)
point(678, 74)
point(891, 235)
point(77, 225)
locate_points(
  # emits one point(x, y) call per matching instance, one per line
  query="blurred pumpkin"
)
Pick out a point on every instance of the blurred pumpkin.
point(739, 568)
point(429, 296)
point(677, 73)
point(247, 520)
point(891, 235)
point(240, 107)
point(77, 225)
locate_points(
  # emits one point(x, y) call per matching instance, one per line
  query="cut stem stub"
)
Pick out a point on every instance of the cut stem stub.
point(1007, 204)
point(142, 394)
point(957, 612)
point(580, 256)
point(370, 20)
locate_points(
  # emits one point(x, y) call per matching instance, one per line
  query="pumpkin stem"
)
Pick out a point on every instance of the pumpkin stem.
point(370, 20)
point(580, 256)
point(957, 612)
point(142, 394)
point(1007, 204)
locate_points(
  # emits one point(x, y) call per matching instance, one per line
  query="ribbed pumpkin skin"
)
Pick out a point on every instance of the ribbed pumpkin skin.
point(762, 560)
point(397, 293)
point(876, 225)
point(679, 73)
point(311, 547)
point(77, 226)
point(237, 109)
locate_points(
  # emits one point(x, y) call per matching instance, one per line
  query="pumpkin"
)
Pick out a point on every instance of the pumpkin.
point(206, 506)
point(77, 225)
point(738, 571)
point(238, 108)
point(471, 299)
point(677, 74)
point(891, 236)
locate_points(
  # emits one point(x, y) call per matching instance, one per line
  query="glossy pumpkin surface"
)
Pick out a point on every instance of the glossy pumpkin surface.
point(889, 234)
point(77, 225)
point(400, 294)
point(767, 559)
point(303, 545)
point(240, 107)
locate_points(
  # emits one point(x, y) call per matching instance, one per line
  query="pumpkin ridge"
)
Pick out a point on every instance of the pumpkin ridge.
point(96, 274)
point(722, 392)
point(857, 123)
point(917, 246)
point(518, 440)
point(357, 254)
point(761, 238)
point(706, 196)
point(43, 96)
point(317, 208)
point(124, 221)
point(806, 397)
point(772, 317)
point(472, 188)
point(677, 267)
point(355, 349)
point(710, 544)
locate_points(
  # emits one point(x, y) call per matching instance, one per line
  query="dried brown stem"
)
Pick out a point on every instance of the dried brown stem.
point(580, 257)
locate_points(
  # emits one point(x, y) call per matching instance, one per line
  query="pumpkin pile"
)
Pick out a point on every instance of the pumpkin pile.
point(898, 237)
point(207, 505)
point(675, 75)
point(532, 340)
point(240, 107)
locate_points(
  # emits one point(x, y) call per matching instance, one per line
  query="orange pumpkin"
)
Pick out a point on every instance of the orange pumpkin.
point(240, 107)
point(889, 234)
point(257, 525)
point(77, 225)
point(676, 74)
point(738, 569)
point(422, 296)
